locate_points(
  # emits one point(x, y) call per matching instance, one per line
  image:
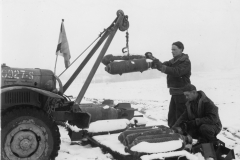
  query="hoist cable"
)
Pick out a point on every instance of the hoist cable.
point(84, 51)
point(112, 24)
point(127, 39)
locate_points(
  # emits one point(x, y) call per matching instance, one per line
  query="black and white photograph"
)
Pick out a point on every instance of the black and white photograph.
point(120, 79)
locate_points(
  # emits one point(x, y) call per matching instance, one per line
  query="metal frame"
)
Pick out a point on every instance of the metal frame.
point(109, 34)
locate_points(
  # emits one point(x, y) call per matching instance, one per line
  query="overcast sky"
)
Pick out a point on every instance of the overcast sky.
point(209, 29)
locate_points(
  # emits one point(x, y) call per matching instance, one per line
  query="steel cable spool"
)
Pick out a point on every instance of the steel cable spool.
point(140, 131)
point(164, 138)
point(158, 139)
point(152, 137)
point(131, 137)
point(161, 139)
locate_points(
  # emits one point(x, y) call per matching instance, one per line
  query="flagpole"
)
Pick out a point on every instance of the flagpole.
point(55, 64)
point(57, 47)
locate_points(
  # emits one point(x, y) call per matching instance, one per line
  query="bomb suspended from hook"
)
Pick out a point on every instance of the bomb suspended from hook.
point(127, 66)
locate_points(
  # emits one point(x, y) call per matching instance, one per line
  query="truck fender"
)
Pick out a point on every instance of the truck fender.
point(46, 93)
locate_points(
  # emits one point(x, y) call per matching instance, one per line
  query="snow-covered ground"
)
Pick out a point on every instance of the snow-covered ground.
point(151, 97)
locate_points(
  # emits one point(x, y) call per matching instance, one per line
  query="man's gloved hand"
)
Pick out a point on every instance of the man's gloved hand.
point(177, 130)
point(183, 126)
point(191, 124)
point(156, 63)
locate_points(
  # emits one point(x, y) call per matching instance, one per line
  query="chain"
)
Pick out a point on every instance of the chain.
point(127, 39)
point(51, 105)
point(127, 46)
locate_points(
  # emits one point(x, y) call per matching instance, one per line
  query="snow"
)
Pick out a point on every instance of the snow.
point(78, 152)
point(108, 125)
point(112, 142)
point(146, 147)
point(105, 107)
point(138, 121)
point(151, 98)
point(228, 135)
point(171, 154)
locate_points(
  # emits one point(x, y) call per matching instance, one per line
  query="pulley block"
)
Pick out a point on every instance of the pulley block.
point(124, 25)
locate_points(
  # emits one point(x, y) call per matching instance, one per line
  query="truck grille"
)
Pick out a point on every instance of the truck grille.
point(17, 97)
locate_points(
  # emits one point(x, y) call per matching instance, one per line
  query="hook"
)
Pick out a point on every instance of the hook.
point(125, 49)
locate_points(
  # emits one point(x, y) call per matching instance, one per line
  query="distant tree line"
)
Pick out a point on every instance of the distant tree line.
point(106, 77)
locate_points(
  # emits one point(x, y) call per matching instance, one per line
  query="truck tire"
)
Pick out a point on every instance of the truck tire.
point(29, 133)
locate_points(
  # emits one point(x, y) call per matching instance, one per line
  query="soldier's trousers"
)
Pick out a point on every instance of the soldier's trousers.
point(205, 133)
point(176, 108)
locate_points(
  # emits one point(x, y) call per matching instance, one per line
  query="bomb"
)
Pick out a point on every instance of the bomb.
point(127, 66)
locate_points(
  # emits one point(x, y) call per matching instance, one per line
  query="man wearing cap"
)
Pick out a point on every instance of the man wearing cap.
point(200, 119)
point(178, 72)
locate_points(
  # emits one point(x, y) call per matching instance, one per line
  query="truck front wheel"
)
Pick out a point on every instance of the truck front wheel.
point(29, 133)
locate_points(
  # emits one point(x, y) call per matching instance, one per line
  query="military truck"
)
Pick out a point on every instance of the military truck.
point(28, 97)
point(33, 100)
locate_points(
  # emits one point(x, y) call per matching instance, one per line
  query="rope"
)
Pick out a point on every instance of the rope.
point(112, 24)
point(83, 51)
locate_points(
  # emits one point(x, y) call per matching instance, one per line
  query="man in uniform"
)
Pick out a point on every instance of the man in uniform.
point(200, 119)
point(178, 72)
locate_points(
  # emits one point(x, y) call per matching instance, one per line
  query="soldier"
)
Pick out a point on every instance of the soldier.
point(200, 119)
point(178, 72)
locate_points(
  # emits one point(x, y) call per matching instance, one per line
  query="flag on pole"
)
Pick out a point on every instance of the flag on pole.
point(63, 47)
